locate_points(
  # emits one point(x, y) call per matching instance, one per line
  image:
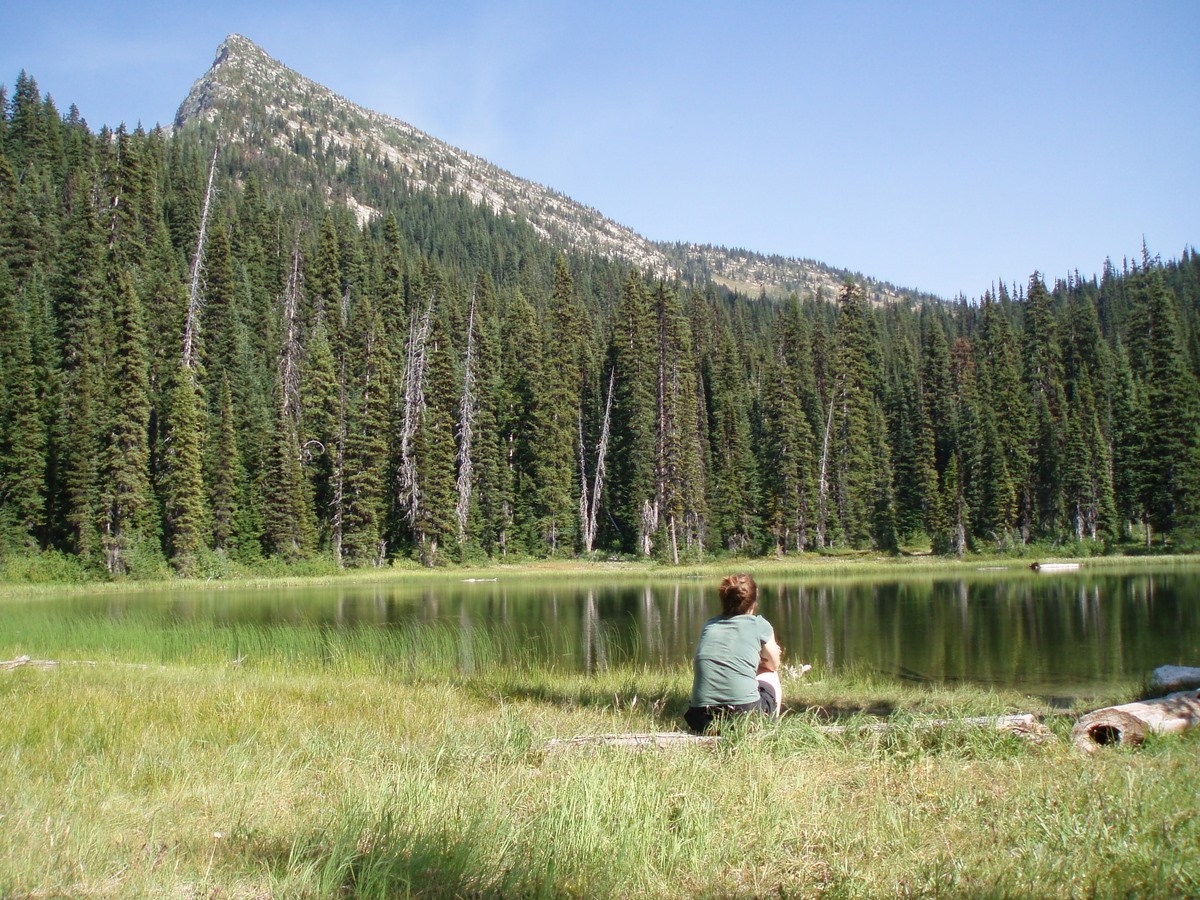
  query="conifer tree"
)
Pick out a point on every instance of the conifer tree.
point(852, 469)
point(1171, 420)
point(228, 476)
point(523, 375)
point(366, 443)
point(1043, 362)
point(635, 387)
point(185, 512)
point(22, 432)
point(788, 443)
point(679, 481)
point(127, 510)
point(556, 420)
point(735, 481)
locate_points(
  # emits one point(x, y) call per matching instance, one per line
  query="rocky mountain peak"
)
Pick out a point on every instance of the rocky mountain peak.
point(258, 102)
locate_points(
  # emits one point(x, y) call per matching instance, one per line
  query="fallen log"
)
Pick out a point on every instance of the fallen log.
point(1174, 678)
point(1054, 566)
point(1024, 725)
point(1129, 723)
point(661, 740)
point(9, 665)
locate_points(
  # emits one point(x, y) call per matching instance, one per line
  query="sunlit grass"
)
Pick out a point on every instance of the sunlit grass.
point(378, 763)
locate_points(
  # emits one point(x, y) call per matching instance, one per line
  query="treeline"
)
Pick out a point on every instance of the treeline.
point(200, 359)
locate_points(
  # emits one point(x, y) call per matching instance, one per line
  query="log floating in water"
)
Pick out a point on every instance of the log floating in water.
point(1129, 723)
point(1024, 725)
point(1054, 566)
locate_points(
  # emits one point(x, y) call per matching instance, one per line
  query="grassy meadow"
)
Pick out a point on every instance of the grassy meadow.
point(247, 762)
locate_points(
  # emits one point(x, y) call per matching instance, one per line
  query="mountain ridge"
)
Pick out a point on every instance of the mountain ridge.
point(254, 99)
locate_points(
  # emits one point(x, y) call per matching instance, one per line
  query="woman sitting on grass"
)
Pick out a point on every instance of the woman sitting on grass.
point(737, 659)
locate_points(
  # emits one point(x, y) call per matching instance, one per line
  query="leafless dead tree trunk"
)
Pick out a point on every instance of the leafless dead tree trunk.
point(589, 501)
point(414, 411)
point(466, 431)
point(195, 290)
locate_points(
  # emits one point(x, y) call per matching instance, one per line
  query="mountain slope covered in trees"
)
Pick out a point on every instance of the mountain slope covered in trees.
point(206, 352)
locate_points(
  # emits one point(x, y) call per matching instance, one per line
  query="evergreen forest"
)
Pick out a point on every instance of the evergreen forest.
point(204, 358)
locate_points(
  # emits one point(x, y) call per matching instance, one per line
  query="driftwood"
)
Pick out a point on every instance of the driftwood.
point(1054, 566)
point(20, 661)
point(1129, 723)
point(1169, 679)
point(1024, 725)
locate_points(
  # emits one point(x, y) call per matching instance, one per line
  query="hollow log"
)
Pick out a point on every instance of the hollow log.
point(1129, 723)
point(1174, 678)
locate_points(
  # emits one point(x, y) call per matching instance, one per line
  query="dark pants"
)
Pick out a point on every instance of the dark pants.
point(699, 718)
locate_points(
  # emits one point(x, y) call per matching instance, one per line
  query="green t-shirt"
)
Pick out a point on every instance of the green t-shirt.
point(727, 660)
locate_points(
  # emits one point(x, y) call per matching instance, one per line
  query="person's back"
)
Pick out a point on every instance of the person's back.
point(736, 659)
point(727, 660)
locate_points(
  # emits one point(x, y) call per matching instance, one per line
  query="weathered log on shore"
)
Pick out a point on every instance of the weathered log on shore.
point(9, 665)
point(1054, 566)
point(1129, 723)
point(1169, 679)
point(661, 740)
point(1024, 725)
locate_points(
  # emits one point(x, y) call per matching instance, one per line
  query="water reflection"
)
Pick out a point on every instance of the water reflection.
point(1039, 632)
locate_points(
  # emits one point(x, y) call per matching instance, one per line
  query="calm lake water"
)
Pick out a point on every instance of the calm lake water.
point(1059, 633)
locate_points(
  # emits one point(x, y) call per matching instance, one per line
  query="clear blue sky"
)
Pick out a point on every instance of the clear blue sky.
point(938, 145)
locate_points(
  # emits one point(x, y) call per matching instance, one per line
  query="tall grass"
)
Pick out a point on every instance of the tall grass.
point(379, 765)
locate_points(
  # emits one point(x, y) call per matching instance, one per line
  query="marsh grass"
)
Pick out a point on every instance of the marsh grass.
point(391, 762)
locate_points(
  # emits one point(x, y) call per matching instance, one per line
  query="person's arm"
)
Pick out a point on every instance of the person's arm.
point(770, 655)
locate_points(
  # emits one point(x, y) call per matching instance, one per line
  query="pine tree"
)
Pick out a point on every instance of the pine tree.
point(22, 432)
point(185, 512)
point(556, 420)
point(228, 476)
point(853, 469)
point(366, 447)
point(678, 472)
point(1043, 362)
point(1171, 426)
point(635, 387)
point(788, 445)
point(127, 510)
point(735, 480)
point(523, 376)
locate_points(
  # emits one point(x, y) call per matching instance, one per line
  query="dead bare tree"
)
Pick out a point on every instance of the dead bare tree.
point(338, 501)
point(823, 482)
point(195, 290)
point(589, 499)
point(466, 421)
point(413, 412)
point(289, 357)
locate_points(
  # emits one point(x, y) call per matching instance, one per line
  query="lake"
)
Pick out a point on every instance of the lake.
point(1052, 634)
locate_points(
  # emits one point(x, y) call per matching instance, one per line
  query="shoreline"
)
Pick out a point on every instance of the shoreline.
point(831, 566)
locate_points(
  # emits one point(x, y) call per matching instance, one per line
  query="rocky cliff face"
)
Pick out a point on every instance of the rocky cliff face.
point(256, 101)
